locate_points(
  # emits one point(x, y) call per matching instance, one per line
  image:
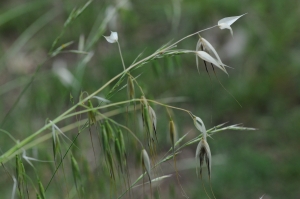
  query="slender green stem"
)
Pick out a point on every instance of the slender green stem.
point(173, 107)
point(139, 86)
point(174, 44)
point(121, 55)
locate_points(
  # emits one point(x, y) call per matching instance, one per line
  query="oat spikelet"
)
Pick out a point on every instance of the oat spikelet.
point(203, 152)
point(130, 88)
point(146, 163)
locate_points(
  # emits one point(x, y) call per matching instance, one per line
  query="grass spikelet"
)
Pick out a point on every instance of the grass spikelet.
point(122, 146)
point(207, 46)
point(203, 152)
point(20, 171)
point(111, 165)
point(153, 120)
point(206, 57)
point(119, 153)
point(123, 155)
point(92, 121)
point(198, 45)
point(110, 132)
point(147, 123)
point(173, 136)
point(146, 167)
point(121, 141)
point(104, 137)
point(24, 179)
point(200, 126)
point(55, 145)
point(130, 88)
point(146, 163)
point(76, 176)
point(91, 114)
point(19, 176)
point(41, 190)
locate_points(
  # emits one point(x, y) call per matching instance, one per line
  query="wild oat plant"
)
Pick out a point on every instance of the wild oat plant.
point(112, 173)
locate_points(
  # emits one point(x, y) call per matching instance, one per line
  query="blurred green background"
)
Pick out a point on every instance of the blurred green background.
point(264, 53)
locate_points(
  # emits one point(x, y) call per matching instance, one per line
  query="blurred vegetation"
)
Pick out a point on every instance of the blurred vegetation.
point(264, 53)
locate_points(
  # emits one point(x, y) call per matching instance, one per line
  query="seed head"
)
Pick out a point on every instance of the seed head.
point(225, 23)
point(112, 38)
point(153, 119)
point(203, 152)
point(146, 163)
point(172, 134)
point(200, 126)
point(130, 88)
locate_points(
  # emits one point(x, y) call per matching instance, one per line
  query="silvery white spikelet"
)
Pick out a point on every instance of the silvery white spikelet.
point(200, 126)
point(153, 118)
point(197, 49)
point(212, 50)
point(206, 57)
point(203, 152)
point(146, 163)
point(112, 38)
point(225, 23)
